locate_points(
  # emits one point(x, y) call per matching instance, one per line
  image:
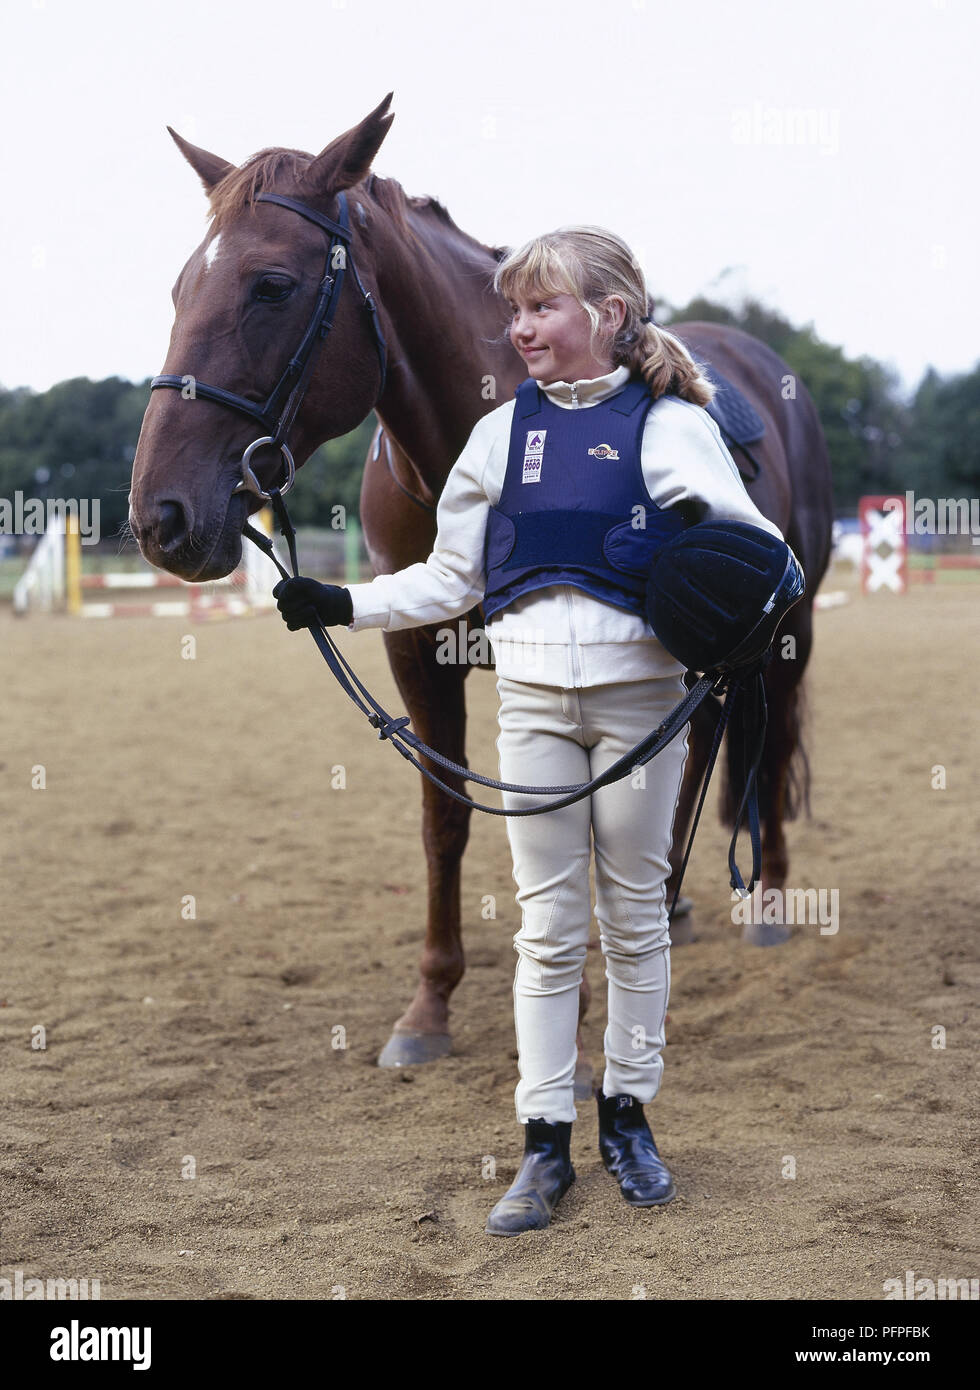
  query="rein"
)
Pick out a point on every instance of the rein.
point(409, 744)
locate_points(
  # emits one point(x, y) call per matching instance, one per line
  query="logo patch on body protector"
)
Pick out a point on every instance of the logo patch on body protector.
point(533, 455)
point(604, 451)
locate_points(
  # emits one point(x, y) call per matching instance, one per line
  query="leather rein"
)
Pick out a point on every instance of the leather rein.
point(276, 415)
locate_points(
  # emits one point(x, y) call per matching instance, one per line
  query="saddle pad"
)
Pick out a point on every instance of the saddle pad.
point(731, 411)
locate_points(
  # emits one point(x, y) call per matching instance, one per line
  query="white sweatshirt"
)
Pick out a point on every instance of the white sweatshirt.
point(557, 635)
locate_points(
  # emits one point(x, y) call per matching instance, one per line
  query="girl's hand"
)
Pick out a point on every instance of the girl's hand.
point(306, 603)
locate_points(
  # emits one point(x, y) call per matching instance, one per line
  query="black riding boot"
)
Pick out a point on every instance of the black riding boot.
point(629, 1153)
point(545, 1175)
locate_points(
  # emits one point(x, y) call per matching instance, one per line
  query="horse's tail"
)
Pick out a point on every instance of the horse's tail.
point(785, 767)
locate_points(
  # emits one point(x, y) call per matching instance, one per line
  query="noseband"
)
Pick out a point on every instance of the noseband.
point(279, 411)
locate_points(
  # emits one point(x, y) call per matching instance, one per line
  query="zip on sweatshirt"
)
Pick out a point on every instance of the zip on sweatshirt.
point(573, 640)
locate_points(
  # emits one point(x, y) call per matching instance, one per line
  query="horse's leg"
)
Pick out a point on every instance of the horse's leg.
point(783, 755)
point(433, 694)
point(700, 735)
point(584, 1076)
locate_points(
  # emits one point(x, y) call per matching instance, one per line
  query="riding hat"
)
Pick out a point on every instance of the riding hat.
point(717, 592)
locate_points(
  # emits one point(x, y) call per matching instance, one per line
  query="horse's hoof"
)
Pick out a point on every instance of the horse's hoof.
point(584, 1079)
point(765, 934)
point(414, 1049)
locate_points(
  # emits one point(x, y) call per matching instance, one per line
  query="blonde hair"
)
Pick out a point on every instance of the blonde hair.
point(591, 263)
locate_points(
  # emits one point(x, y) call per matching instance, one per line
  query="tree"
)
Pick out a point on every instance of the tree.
point(78, 439)
point(861, 413)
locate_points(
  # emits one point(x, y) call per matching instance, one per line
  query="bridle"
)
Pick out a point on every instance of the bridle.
point(279, 410)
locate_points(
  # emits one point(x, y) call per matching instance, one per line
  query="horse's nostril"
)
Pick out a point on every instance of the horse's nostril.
point(171, 525)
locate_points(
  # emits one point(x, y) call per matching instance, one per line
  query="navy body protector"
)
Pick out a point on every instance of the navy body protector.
point(574, 507)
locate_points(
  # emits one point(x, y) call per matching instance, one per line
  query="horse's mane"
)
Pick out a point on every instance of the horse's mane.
point(389, 195)
point(238, 189)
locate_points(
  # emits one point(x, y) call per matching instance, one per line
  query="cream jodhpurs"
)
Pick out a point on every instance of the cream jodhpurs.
point(552, 737)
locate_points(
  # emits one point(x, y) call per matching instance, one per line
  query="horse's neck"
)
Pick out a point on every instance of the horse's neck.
point(447, 362)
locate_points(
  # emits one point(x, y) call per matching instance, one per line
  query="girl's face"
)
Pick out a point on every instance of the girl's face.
point(553, 336)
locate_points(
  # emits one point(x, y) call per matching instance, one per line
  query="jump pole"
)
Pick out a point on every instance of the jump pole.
point(73, 567)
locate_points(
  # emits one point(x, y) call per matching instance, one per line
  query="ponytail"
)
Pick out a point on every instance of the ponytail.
point(663, 362)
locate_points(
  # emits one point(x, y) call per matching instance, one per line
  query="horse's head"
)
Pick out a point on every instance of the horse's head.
point(244, 303)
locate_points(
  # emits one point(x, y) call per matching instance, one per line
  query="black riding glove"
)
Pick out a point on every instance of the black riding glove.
point(306, 603)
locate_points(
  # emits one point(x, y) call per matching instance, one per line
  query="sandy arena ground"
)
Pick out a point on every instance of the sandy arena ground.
point(191, 1129)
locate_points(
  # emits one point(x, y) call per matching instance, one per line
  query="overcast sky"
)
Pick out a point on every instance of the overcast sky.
point(820, 155)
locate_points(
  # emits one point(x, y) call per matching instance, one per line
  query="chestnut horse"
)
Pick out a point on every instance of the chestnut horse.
point(243, 301)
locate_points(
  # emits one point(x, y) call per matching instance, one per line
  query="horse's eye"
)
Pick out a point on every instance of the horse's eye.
point(273, 289)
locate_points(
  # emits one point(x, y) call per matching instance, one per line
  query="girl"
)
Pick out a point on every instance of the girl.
point(550, 517)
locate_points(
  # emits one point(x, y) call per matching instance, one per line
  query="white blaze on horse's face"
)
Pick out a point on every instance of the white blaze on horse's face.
point(211, 252)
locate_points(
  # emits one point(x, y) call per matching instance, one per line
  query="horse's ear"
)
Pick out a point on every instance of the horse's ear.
point(347, 160)
point(209, 167)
